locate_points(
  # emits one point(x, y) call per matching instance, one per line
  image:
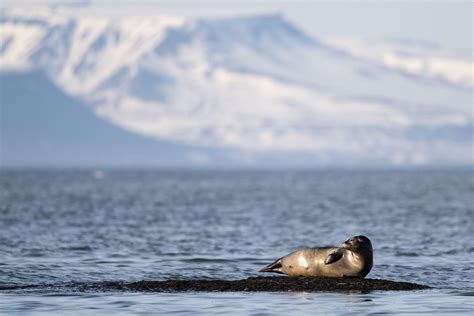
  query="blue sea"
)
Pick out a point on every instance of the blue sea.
point(67, 226)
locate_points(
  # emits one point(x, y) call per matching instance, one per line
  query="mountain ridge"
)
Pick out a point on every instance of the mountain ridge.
point(250, 84)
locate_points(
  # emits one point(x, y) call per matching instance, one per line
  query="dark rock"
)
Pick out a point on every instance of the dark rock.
point(256, 284)
point(261, 284)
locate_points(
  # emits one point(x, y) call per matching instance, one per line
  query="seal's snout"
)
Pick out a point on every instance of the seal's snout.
point(348, 243)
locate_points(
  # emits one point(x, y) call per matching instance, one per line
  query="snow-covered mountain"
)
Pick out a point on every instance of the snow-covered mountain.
point(253, 83)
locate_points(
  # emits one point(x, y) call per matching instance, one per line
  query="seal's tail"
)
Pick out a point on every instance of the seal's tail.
point(273, 267)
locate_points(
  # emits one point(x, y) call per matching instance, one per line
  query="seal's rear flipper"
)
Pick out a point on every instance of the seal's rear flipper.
point(273, 267)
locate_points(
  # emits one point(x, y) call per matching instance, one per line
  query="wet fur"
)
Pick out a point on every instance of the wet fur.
point(353, 259)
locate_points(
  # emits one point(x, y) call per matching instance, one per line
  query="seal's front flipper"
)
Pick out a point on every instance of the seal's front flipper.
point(273, 267)
point(334, 256)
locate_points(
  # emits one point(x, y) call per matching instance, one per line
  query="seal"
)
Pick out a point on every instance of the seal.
point(353, 259)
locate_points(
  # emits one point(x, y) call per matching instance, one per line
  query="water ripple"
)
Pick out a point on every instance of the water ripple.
point(64, 226)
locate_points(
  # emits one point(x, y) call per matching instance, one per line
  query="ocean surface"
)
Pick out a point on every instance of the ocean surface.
point(62, 227)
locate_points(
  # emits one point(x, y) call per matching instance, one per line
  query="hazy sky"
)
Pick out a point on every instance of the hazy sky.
point(449, 23)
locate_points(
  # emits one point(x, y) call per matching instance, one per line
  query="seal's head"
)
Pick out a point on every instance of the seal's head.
point(359, 244)
point(362, 257)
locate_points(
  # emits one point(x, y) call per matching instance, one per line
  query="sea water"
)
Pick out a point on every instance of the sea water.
point(84, 226)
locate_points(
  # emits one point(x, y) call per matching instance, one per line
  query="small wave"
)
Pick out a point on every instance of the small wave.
point(77, 248)
point(14, 287)
point(408, 254)
point(470, 293)
point(204, 260)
